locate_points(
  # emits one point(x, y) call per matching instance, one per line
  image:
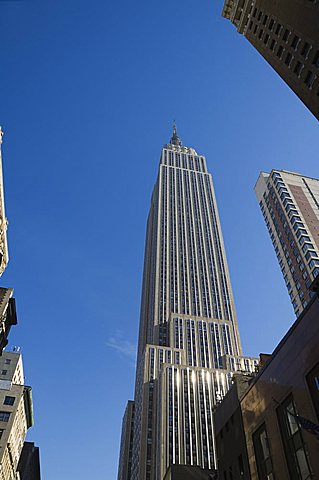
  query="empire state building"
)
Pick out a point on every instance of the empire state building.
point(189, 344)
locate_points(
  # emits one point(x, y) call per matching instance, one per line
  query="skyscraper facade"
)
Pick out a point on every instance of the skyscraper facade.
point(286, 34)
point(4, 258)
point(189, 343)
point(290, 205)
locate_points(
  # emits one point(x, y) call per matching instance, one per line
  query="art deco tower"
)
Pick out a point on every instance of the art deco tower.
point(188, 342)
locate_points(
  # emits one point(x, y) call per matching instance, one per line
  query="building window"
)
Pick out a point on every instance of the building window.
point(280, 51)
point(9, 400)
point(294, 445)
point(241, 466)
point(315, 60)
point(272, 44)
point(286, 35)
point(310, 78)
point(278, 28)
point(271, 24)
point(288, 59)
point(298, 68)
point(1, 432)
point(4, 372)
point(310, 254)
point(295, 42)
point(262, 454)
point(313, 385)
point(305, 49)
point(4, 416)
point(315, 273)
point(7, 361)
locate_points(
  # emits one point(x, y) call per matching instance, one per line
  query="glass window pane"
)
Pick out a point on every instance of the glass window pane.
point(303, 464)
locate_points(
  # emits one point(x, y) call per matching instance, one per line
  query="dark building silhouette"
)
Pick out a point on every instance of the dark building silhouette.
point(230, 434)
point(188, 472)
point(8, 315)
point(125, 460)
point(286, 34)
point(29, 463)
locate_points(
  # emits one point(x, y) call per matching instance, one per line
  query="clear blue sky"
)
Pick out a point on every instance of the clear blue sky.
point(88, 93)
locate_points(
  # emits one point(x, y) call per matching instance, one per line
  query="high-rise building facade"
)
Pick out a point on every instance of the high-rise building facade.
point(290, 205)
point(286, 34)
point(189, 343)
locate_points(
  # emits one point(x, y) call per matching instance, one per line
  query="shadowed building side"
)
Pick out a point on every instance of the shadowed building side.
point(286, 34)
point(268, 425)
point(29, 463)
point(125, 460)
point(8, 315)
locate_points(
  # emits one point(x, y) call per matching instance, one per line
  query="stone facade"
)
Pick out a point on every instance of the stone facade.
point(16, 413)
point(269, 433)
point(286, 34)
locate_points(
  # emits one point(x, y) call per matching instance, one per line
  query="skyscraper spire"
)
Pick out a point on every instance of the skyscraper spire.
point(175, 140)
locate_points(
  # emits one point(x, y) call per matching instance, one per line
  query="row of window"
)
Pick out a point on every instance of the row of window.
point(287, 46)
point(191, 397)
point(4, 416)
point(293, 443)
point(205, 342)
point(286, 239)
point(306, 249)
point(298, 227)
point(158, 356)
point(193, 276)
point(295, 449)
point(186, 161)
